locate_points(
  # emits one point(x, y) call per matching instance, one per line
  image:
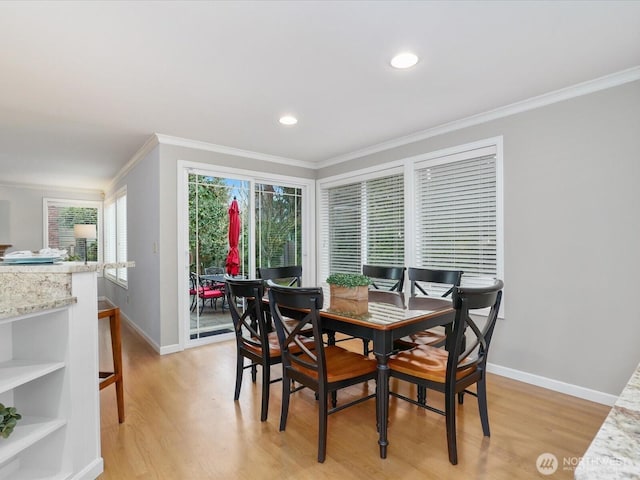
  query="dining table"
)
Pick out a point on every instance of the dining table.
point(389, 317)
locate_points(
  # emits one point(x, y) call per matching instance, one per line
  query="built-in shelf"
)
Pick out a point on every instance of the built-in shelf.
point(48, 372)
point(18, 372)
point(28, 431)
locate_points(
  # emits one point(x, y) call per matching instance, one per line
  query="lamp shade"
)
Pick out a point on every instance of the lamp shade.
point(84, 231)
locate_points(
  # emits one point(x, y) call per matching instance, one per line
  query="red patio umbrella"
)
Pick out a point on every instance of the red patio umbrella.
point(233, 258)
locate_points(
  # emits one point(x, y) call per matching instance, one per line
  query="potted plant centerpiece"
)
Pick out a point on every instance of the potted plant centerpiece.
point(349, 292)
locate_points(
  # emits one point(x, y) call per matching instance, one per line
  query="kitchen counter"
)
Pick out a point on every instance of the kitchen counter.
point(614, 453)
point(26, 289)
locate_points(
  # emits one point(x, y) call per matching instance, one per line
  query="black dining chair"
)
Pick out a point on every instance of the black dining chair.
point(290, 275)
point(324, 369)
point(454, 369)
point(389, 278)
point(255, 340)
point(427, 282)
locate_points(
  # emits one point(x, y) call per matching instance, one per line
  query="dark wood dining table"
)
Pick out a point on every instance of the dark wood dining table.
point(389, 318)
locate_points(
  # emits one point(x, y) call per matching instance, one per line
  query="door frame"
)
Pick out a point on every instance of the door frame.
point(308, 187)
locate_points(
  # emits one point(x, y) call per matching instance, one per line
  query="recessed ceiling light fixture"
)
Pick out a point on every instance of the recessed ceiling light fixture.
point(404, 60)
point(288, 120)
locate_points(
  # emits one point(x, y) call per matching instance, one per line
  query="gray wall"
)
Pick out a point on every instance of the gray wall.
point(141, 302)
point(572, 235)
point(152, 216)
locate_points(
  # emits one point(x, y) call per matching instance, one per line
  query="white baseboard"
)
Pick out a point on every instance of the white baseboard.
point(161, 350)
point(91, 471)
point(555, 385)
point(167, 349)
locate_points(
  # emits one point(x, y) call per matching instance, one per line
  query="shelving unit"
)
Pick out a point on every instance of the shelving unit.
point(48, 371)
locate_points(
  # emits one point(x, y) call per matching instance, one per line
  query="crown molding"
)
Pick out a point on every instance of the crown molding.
point(580, 89)
point(144, 150)
point(52, 188)
point(211, 147)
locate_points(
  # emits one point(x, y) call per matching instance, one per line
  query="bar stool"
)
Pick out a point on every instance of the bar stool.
point(107, 310)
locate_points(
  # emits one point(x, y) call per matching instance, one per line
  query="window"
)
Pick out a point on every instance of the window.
point(362, 223)
point(115, 235)
point(60, 215)
point(456, 214)
point(440, 210)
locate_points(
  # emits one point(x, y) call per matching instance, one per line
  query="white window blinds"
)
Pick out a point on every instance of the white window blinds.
point(455, 216)
point(362, 223)
point(115, 235)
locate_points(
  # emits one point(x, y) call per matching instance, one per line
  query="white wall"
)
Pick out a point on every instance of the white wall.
point(572, 236)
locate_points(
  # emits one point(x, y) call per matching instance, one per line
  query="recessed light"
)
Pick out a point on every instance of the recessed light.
point(404, 60)
point(288, 120)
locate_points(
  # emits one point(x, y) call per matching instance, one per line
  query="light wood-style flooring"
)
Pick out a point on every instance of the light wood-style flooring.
point(182, 423)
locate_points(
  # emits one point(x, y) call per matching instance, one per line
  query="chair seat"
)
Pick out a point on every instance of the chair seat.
point(211, 294)
point(274, 346)
point(341, 364)
point(425, 337)
point(429, 363)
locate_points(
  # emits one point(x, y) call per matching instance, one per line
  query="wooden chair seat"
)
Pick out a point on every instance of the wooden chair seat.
point(429, 363)
point(341, 364)
point(274, 346)
point(425, 337)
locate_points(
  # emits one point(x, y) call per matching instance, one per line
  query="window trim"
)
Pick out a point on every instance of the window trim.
point(114, 274)
point(67, 202)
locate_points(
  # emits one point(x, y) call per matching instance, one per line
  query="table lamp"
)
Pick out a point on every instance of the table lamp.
point(84, 232)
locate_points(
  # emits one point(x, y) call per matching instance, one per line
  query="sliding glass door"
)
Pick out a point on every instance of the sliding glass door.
point(271, 235)
point(209, 200)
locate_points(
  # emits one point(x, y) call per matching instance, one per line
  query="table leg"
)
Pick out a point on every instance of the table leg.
point(382, 394)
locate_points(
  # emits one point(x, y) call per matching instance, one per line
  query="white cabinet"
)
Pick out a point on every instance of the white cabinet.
point(48, 371)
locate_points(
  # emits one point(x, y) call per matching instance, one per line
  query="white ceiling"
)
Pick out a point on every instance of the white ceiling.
point(84, 84)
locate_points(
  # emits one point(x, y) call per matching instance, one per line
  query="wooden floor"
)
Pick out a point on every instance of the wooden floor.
point(182, 423)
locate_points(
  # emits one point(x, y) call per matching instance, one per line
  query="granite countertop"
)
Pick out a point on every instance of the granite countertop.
point(64, 267)
point(10, 309)
point(32, 288)
point(614, 453)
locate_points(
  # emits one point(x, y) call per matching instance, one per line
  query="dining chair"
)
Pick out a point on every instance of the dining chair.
point(194, 289)
point(211, 293)
point(324, 369)
point(454, 369)
point(390, 278)
point(425, 281)
point(289, 275)
point(254, 340)
point(385, 277)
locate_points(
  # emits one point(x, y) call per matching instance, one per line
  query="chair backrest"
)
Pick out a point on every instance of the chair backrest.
point(249, 323)
point(193, 280)
point(214, 271)
point(307, 302)
point(288, 276)
point(468, 344)
point(445, 278)
point(395, 275)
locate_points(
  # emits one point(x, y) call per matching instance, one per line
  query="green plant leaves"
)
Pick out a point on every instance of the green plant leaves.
point(9, 417)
